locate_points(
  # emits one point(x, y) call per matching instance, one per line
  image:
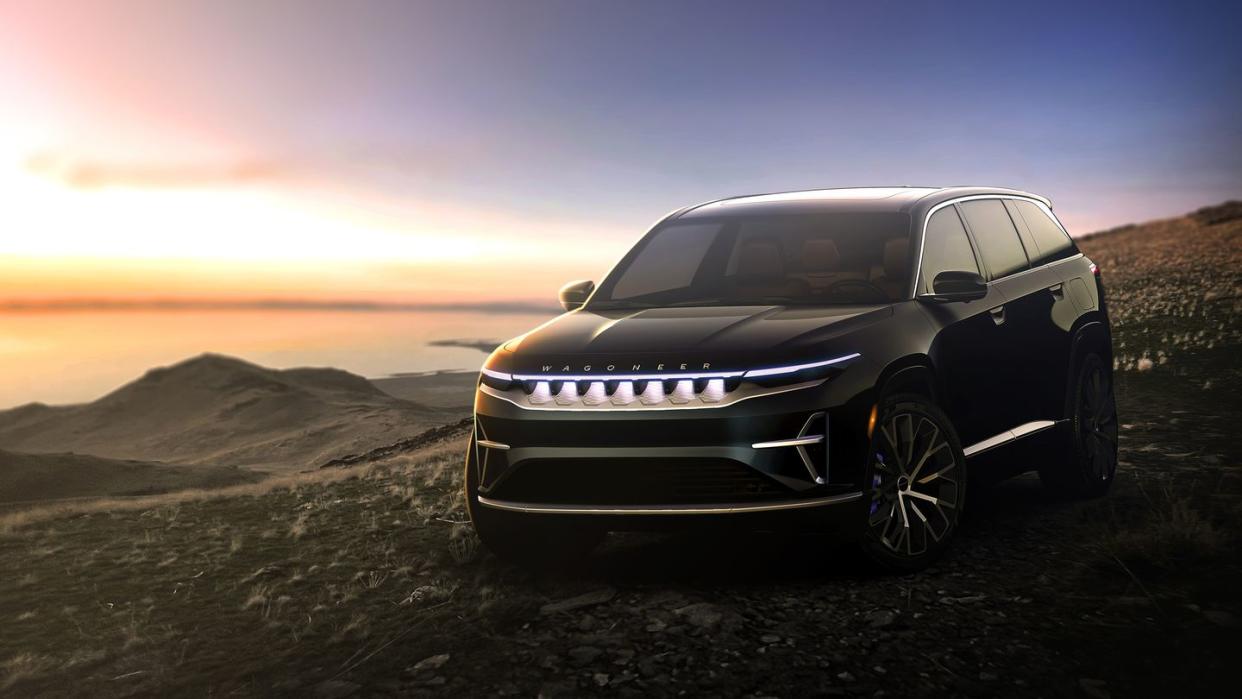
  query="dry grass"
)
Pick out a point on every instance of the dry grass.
point(302, 571)
point(433, 464)
point(1172, 532)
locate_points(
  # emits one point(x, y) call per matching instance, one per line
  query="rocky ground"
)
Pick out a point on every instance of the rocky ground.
point(361, 580)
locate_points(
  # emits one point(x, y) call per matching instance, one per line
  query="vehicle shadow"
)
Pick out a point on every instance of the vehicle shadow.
point(1004, 514)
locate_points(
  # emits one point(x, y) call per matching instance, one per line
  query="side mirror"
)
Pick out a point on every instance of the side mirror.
point(952, 286)
point(574, 294)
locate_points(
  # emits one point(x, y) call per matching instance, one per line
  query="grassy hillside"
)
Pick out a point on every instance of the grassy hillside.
point(363, 579)
point(221, 411)
point(41, 477)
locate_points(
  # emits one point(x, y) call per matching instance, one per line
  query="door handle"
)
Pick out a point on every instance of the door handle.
point(998, 315)
point(1058, 291)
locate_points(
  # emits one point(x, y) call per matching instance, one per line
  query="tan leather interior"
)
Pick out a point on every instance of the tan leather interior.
point(820, 255)
point(761, 271)
point(893, 277)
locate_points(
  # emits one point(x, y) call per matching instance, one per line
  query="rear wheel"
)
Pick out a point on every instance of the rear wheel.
point(917, 474)
point(1092, 462)
point(534, 540)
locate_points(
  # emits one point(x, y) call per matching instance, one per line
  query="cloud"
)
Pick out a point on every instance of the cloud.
point(91, 173)
point(94, 174)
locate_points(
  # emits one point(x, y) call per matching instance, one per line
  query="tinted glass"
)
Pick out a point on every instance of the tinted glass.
point(1052, 242)
point(667, 261)
point(946, 248)
point(994, 233)
point(821, 259)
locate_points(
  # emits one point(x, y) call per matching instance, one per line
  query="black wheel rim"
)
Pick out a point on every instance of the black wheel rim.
point(916, 485)
point(1097, 423)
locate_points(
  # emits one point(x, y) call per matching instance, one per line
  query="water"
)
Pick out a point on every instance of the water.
point(72, 357)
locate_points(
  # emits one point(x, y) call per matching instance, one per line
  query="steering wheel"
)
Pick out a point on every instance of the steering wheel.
point(865, 285)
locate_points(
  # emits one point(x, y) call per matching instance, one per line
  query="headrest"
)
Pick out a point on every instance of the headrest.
point(820, 255)
point(760, 260)
point(895, 253)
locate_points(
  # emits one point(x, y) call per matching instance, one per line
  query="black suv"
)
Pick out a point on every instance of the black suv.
point(833, 359)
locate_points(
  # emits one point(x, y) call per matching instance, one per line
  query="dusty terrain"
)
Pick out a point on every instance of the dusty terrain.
point(215, 410)
point(28, 478)
point(361, 579)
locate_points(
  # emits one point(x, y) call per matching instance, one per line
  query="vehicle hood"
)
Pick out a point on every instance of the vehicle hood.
point(686, 339)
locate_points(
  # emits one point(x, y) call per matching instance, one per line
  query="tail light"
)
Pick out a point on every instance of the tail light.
point(1095, 270)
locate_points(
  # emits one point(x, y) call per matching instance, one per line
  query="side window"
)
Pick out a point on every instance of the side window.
point(997, 238)
point(945, 248)
point(1052, 242)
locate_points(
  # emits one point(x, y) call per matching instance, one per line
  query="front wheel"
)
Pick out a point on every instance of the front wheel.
point(917, 473)
point(1092, 459)
point(533, 540)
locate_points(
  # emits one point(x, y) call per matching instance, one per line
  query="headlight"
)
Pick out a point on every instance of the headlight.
point(796, 373)
point(496, 379)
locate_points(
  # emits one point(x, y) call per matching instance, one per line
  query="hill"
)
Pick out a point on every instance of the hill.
point(439, 389)
point(42, 477)
point(215, 410)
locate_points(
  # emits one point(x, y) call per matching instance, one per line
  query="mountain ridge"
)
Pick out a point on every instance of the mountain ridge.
point(218, 410)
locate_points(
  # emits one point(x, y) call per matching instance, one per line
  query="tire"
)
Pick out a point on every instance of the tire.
point(916, 473)
point(1091, 459)
point(530, 540)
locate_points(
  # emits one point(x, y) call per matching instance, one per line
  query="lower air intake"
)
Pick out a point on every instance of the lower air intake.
point(636, 482)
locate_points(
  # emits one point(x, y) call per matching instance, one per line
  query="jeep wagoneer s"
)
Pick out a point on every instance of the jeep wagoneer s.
point(834, 360)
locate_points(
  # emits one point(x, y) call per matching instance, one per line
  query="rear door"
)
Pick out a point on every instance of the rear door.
point(966, 351)
point(1049, 245)
point(1028, 366)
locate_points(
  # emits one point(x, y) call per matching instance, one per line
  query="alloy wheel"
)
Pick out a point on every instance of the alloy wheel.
point(916, 485)
point(1097, 422)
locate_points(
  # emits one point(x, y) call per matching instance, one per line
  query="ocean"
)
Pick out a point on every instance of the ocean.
point(73, 357)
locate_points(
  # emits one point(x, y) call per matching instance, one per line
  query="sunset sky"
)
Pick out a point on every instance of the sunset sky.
point(471, 152)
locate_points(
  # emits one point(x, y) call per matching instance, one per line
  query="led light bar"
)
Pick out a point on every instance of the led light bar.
point(669, 376)
point(499, 375)
point(779, 370)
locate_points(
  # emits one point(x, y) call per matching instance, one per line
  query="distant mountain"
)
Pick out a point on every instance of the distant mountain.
point(441, 389)
point(216, 410)
point(42, 477)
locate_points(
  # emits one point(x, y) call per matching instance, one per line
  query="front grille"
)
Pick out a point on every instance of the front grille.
point(682, 481)
point(649, 392)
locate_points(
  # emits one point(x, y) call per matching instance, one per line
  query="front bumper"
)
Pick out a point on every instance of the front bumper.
point(789, 452)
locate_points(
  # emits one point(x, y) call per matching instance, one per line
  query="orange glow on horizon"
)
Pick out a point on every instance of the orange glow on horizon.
point(265, 239)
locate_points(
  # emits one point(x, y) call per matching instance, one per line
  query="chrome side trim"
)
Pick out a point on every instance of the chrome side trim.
point(800, 441)
point(492, 445)
point(732, 398)
point(1008, 436)
point(716, 509)
point(1037, 201)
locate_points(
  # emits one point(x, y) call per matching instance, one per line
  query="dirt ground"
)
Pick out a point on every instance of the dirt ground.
point(362, 581)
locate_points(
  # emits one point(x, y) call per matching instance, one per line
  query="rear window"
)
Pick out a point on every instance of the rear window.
point(1052, 242)
point(995, 235)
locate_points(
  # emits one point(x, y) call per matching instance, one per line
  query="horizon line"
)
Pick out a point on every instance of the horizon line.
point(72, 304)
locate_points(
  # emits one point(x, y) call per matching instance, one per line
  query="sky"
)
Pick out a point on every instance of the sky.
point(475, 152)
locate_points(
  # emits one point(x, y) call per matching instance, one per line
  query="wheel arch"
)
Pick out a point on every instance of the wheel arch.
point(1091, 333)
point(910, 374)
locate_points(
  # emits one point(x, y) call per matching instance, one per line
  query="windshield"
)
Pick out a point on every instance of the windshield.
point(822, 259)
